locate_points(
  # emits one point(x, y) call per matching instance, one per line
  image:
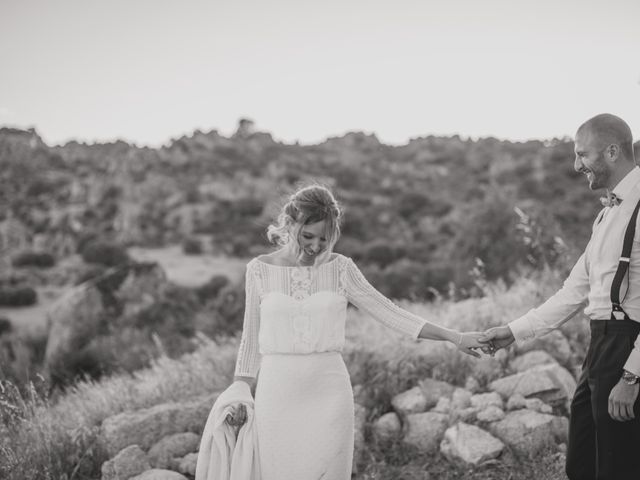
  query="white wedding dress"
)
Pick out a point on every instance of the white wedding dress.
point(293, 333)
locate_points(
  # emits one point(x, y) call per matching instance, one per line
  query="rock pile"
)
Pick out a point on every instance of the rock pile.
point(471, 427)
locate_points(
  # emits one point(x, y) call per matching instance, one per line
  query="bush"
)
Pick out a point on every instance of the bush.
point(105, 253)
point(89, 272)
point(5, 326)
point(192, 246)
point(17, 296)
point(211, 289)
point(33, 259)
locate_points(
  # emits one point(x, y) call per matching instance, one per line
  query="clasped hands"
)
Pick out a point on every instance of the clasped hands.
point(489, 341)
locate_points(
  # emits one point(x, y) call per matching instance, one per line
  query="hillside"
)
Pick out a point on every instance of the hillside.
point(421, 212)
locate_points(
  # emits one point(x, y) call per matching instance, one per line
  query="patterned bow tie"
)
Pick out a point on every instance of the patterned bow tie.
point(611, 200)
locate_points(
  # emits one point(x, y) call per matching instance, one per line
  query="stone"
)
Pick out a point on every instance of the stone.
point(159, 474)
point(425, 430)
point(470, 444)
point(516, 401)
point(74, 318)
point(554, 342)
point(472, 384)
point(433, 390)
point(490, 414)
point(537, 405)
point(460, 399)
point(553, 384)
point(528, 432)
point(443, 405)
point(531, 359)
point(129, 462)
point(410, 401)
point(387, 426)
point(147, 426)
point(187, 464)
point(483, 400)
point(164, 452)
point(466, 414)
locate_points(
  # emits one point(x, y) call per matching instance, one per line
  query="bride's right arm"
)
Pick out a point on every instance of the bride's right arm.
point(248, 361)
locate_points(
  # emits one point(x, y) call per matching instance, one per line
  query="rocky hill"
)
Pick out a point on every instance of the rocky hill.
point(437, 204)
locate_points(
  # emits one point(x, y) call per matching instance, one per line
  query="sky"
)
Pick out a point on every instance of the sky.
point(147, 71)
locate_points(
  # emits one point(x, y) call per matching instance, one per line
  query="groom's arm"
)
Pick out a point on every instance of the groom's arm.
point(559, 308)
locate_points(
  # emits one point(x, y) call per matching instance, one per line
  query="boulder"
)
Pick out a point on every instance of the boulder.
point(516, 402)
point(187, 464)
point(472, 384)
point(528, 432)
point(483, 400)
point(470, 444)
point(159, 474)
point(553, 384)
point(425, 430)
point(165, 452)
point(443, 405)
point(490, 414)
point(74, 318)
point(531, 359)
point(127, 463)
point(433, 390)
point(147, 426)
point(465, 415)
point(460, 399)
point(410, 401)
point(387, 426)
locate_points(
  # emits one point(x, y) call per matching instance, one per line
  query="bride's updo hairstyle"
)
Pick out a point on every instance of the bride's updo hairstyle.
point(310, 204)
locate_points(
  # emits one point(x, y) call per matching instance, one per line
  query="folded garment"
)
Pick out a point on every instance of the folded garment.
point(222, 455)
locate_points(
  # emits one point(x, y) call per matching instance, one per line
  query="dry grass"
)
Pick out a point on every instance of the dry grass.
point(45, 439)
point(42, 439)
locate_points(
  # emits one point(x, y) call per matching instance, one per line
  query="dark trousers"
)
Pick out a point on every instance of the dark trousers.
point(599, 447)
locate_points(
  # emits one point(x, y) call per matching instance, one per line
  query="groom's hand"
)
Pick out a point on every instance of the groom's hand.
point(621, 401)
point(496, 338)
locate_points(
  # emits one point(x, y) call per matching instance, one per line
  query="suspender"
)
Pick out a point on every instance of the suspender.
point(617, 313)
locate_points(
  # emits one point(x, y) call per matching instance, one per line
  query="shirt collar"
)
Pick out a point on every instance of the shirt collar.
point(625, 185)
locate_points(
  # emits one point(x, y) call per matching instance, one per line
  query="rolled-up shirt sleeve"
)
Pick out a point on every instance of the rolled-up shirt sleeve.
point(559, 308)
point(633, 362)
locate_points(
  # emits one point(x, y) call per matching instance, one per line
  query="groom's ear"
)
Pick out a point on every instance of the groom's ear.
point(612, 152)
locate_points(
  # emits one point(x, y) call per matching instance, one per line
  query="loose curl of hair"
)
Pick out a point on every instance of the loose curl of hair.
point(310, 204)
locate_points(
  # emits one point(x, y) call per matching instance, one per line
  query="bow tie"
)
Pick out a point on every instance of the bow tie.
point(610, 200)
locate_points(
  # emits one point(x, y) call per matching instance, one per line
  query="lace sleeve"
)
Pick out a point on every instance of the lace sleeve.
point(364, 296)
point(248, 361)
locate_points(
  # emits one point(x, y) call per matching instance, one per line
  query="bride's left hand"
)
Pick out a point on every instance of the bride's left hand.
point(468, 342)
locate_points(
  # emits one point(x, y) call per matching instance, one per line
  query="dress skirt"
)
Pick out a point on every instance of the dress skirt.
point(304, 417)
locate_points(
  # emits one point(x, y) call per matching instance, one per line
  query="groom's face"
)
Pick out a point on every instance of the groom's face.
point(590, 161)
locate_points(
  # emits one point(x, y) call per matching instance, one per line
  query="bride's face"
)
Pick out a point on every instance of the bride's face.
point(312, 240)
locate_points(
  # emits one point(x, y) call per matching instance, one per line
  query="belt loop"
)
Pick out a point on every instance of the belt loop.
point(606, 323)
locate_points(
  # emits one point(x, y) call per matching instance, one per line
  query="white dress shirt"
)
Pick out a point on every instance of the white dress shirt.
point(589, 282)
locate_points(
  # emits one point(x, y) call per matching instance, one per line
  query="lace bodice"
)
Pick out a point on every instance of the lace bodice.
point(300, 310)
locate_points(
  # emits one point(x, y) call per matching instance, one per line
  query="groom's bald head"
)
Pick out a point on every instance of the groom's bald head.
point(606, 129)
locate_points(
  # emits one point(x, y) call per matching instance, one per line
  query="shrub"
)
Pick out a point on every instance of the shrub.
point(33, 259)
point(380, 253)
point(5, 326)
point(17, 296)
point(211, 289)
point(192, 246)
point(105, 253)
point(89, 272)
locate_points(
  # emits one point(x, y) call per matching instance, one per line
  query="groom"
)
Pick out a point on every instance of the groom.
point(604, 429)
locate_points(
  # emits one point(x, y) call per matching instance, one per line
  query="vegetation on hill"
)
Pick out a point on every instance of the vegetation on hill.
point(421, 213)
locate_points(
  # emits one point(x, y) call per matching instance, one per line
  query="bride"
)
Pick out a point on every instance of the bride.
point(293, 333)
